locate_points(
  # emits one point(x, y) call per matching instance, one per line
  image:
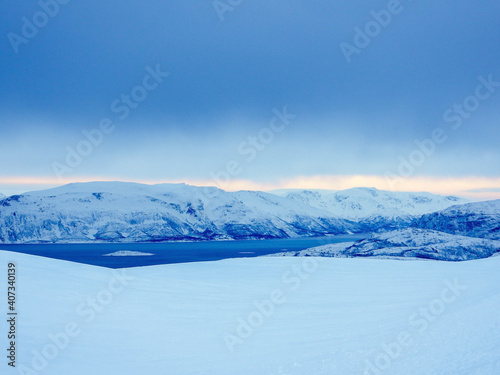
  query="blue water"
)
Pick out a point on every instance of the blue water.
point(172, 252)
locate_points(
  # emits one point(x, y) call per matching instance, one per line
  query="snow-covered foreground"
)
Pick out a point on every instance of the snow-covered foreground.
point(289, 315)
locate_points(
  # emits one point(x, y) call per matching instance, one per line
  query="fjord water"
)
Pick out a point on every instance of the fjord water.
point(172, 252)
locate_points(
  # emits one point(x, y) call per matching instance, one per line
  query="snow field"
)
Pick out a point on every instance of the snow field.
point(289, 315)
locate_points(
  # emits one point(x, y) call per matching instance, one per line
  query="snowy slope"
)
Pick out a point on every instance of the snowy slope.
point(2, 196)
point(332, 317)
point(481, 219)
point(372, 207)
point(118, 211)
point(410, 242)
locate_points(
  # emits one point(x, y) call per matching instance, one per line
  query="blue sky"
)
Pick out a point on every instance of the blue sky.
point(231, 67)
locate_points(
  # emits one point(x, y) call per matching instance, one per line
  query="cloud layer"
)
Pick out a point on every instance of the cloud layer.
point(374, 113)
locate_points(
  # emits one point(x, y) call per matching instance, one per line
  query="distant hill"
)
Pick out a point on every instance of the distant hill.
point(408, 243)
point(480, 219)
point(371, 208)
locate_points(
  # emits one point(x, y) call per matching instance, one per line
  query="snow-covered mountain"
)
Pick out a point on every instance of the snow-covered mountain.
point(118, 211)
point(371, 208)
point(2, 196)
point(410, 242)
point(480, 219)
point(130, 212)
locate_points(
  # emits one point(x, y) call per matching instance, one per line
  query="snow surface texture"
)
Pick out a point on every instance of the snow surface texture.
point(332, 317)
point(129, 212)
point(411, 242)
point(127, 253)
point(481, 219)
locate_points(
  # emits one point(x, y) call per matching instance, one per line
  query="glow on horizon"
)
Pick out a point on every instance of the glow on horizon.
point(471, 187)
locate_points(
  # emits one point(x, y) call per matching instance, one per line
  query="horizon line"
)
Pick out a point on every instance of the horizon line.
point(474, 188)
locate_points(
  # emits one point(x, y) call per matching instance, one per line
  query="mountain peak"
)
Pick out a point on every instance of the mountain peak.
point(367, 202)
point(114, 187)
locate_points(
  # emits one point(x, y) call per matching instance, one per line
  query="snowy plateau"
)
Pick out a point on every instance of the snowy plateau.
point(129, 212)
point(257, 316)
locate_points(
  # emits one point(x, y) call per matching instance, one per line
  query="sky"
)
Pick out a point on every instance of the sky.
point(398, 95)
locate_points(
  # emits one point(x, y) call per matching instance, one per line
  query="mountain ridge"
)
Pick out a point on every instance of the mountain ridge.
point(132, 212)
point(362, 203)
point(129, 212)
